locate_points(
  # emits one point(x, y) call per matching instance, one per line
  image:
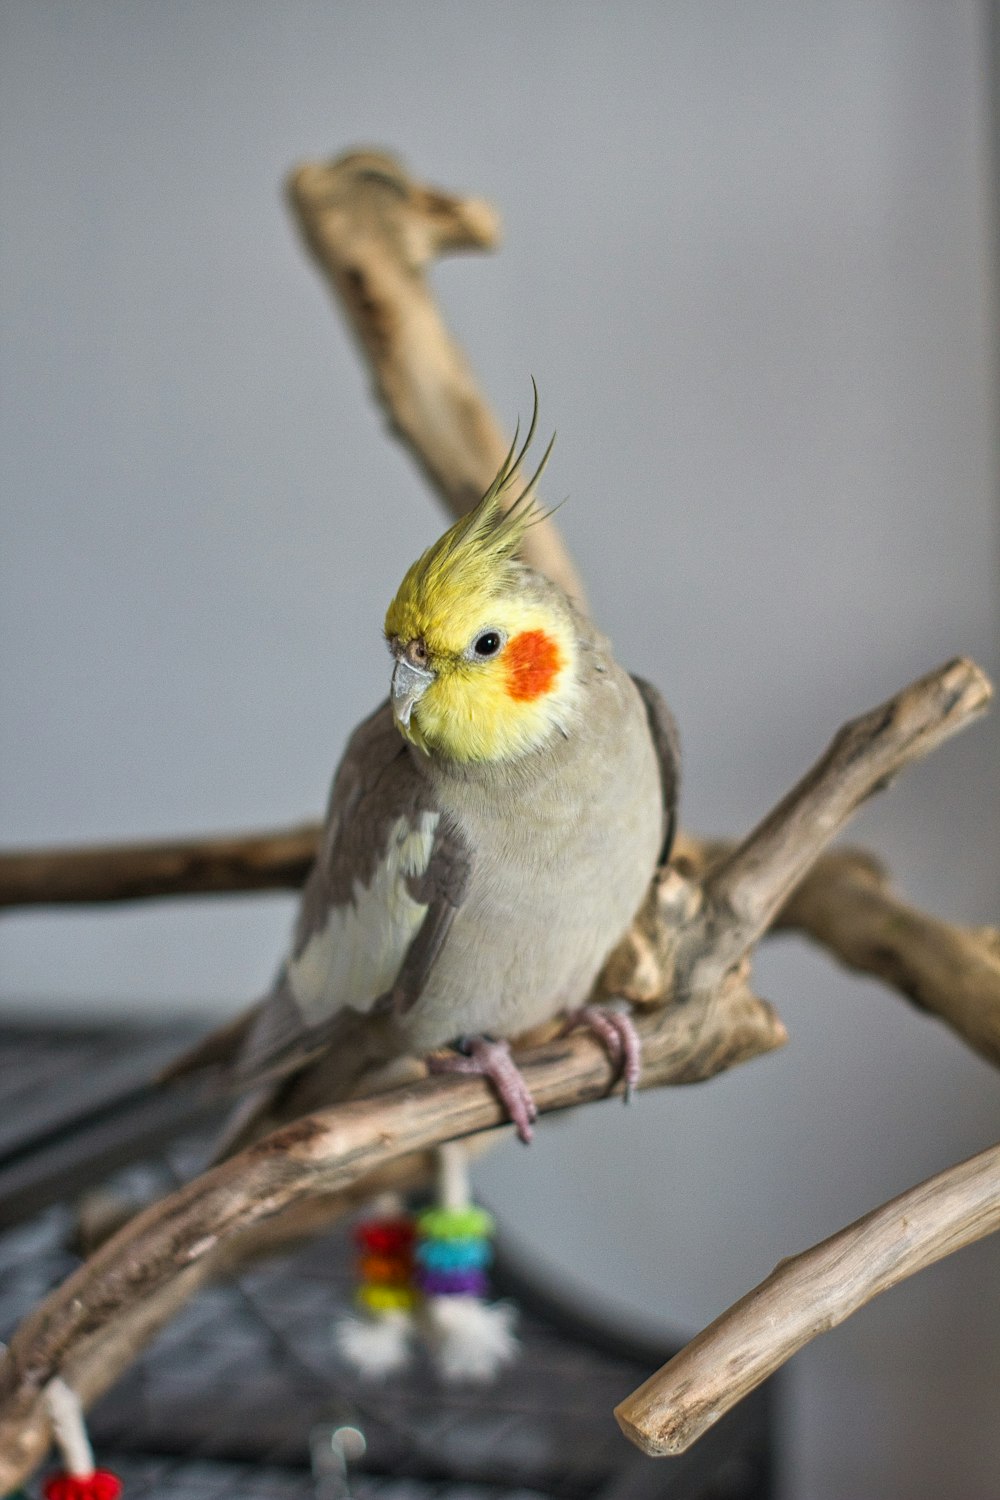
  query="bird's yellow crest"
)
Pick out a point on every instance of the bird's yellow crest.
point(485, 655)
point(444, 590)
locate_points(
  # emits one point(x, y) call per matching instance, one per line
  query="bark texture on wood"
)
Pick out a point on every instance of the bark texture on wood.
point(807, 1295)
point(847, 905)
point(96, 1361)
point(696, 927)
point(746, 888)
point(278, 859)
point(687, 954)
point(373, 231)
point(92, 1326)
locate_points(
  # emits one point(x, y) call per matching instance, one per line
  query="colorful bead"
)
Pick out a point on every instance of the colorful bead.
point(385, 1236)
point(455, 1223)
point(384, 1299)
point(101, 1485)
point(453, 1283)
point(393, 1270)
point(454, 1251)
point(385, 1264)
point(454, 1255)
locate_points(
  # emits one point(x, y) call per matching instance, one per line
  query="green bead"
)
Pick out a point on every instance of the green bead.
point(455, 1223)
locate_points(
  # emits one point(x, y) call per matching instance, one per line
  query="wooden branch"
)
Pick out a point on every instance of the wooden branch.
point(279, 859)
point(101, 1313)
point(845, 903)
point(97, 1360)
point(808, 1295)
point(680, 938)
point(373, 232)
point(702, 918)
point(745, 890)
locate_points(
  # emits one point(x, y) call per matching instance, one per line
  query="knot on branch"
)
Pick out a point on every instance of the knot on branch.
point(643, 967)
point(371, 192)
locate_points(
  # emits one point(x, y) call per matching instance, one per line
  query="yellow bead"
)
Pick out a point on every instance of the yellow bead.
point(381, 1299)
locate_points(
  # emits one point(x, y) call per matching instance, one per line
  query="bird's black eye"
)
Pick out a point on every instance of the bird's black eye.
point(487, 644)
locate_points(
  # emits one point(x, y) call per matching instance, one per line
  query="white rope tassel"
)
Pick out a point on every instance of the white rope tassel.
point(377, 1343)
point(69, 1429)
point(470, 1339)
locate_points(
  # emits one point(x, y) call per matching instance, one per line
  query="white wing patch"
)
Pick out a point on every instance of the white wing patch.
point(355, 957)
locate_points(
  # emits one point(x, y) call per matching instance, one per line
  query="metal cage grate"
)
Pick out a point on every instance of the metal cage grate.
point(243, 1395)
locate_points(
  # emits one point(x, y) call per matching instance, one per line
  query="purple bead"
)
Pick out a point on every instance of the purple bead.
point(472, 1283)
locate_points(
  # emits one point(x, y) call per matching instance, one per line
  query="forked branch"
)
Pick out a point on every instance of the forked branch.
point(708, 1027)
point(744, 891)
point(374, 232)
point(847, 905)
point(149, 1266)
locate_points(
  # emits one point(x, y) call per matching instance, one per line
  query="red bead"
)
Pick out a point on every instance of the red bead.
point(101, 1485)
point(385, 1236)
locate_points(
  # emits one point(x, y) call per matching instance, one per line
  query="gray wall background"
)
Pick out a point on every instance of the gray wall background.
point(749, 260)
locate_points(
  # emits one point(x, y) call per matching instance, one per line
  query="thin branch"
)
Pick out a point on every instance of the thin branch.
point(712, 1027)
point(330, 1152)
point(953, 972)
point(745, 890)
point(373, 231)
point(844, 903)
point(808, 1295)
point(279, 859)
point(96, 1362)
point(741, 892)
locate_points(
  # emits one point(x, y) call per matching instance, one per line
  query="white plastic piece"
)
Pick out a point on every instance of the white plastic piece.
point(453, 1188)
point(375, 1346)
point(69, 1429)
point(470, 1339)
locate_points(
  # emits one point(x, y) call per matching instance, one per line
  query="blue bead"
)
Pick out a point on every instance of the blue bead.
point(454, 1255)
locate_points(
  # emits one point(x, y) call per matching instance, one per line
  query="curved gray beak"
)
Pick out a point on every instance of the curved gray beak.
point(409, 684)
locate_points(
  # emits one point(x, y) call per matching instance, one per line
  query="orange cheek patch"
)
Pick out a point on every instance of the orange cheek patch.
point(532, 660)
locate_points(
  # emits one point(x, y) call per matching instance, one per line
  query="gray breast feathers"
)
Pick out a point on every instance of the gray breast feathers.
point(390, 874)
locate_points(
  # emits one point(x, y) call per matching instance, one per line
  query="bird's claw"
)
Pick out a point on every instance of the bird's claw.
point(492, 1060)
point(615, 1027)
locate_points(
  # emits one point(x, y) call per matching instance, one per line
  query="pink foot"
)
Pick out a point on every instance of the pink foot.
point(616, 1029)
point(492, 1060)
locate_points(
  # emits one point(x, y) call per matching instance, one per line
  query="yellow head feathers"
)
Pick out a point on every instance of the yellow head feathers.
point(485, 651)
point(445, 589)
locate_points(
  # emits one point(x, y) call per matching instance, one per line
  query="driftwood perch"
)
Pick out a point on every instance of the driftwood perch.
point(808, 1295)
point(327, 1153)
point(270, 861)
point(683, 947)
point(373, 231)
point(952, 972)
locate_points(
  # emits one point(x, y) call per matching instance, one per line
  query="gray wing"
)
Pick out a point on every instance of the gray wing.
point(666, 743)
point(389, 877)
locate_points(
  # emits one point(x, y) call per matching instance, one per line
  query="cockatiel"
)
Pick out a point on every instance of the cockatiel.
point(491, 832)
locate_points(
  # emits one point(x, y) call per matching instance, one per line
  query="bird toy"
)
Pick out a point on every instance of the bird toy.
point(469, 1338)
point(426, 1278)
point(80, 1479)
